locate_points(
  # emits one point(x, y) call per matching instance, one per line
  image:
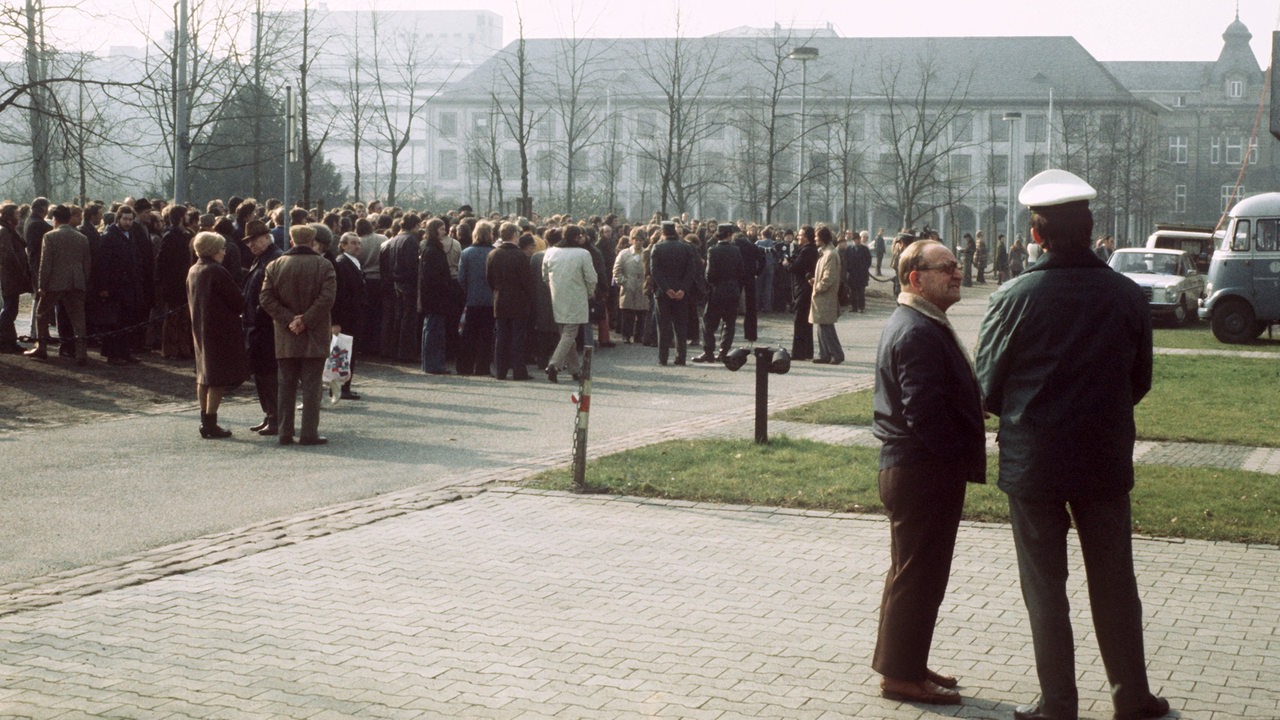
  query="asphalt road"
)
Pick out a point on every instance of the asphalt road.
point(85, 493)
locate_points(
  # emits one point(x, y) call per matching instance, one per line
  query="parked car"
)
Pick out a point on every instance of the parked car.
point(1198, 240)
point(1243, 292)
point(1168, 278)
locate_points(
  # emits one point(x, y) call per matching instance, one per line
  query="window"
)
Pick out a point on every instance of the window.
point(1268, 236)
point(1228, 193)
point(998, 128)
point(1178, 149)
point(510, 163)
point(647, 124)
point(1000, 169)
point(856, 128)
point(1033, 164)
point(1253, 152)
point(1235, 88)
point(962, 128)
point(546, 129)
point(1235, 150)
point(1240, 241)
point(1215, 150)
point(886, 128)
point(1179, 198)
point(448, 124)
point(545, 165)
point(1109, 127)
point(888, 166)
point(1179, 101)
point(448, 165)
point(961, 167)
point(1037, 129)
point(480, 122)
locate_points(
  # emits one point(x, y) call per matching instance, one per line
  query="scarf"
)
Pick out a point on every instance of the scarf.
point(931, 311)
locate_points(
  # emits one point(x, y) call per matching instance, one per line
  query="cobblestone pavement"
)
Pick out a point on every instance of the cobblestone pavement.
point(519, 604)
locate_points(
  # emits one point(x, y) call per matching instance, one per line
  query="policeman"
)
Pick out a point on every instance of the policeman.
point(724, 278)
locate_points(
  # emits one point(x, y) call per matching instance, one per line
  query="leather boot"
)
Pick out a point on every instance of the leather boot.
point(209, 429)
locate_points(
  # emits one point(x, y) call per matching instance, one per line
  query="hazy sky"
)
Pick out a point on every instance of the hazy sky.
point(1109, 29)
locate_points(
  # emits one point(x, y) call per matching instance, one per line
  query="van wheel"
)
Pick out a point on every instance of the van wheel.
point(1233, 322)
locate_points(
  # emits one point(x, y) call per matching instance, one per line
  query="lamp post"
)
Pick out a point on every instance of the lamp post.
point(804, 54)
point(1012, 118)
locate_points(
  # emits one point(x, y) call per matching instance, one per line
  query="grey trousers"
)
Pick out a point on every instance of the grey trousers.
point(309, 371)
point(1106, 541)
point(565, 356)
point(829, 344)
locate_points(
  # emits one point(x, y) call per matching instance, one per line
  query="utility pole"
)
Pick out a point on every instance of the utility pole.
point(180, 110)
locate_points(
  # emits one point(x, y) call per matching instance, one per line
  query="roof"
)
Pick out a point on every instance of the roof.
point(996, 69)
point(1163, 76)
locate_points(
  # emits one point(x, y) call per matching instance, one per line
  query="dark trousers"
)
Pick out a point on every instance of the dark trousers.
point(924, 503)
point(673, 324)
point(389, 326)
point(802, 334)
point(509, 346)
point(476, 346)
point(408, 327)
point(859, 297)
point(308, 371)
point(749, 319)
point(719, 312)
point(632, 324)
point(115, 342)
point(1105, 530)
point(371, 328)
point(262, 362)
point(8, 321)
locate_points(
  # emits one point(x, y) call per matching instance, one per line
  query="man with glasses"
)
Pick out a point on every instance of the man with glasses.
point(928, 415)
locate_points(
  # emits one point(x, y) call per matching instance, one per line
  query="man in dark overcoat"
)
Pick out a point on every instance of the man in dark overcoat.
point(259, 329)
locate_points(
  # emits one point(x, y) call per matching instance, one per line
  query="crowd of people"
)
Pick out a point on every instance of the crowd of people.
point(452, 293)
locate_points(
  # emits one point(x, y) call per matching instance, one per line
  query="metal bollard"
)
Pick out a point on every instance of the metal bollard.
point(580, 422)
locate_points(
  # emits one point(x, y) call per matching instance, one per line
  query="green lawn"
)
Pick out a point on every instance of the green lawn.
point(1197, 398)
point(1199, 503)
point(1198, 336)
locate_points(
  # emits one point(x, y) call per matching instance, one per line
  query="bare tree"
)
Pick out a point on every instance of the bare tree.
point(768, 118)
point(517, 114)
point(312, 142)
point(914, 133)
point(847, 143)
point(577, 102)
point(681, 73)
point(399, 66)
point(214, 75)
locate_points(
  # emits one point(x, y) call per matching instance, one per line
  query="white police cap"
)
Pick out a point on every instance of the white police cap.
point(1055, 187)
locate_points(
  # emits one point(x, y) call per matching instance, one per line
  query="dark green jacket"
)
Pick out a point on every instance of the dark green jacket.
point(1064, 353)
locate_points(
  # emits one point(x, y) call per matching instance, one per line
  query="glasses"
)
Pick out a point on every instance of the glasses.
point(946, 267)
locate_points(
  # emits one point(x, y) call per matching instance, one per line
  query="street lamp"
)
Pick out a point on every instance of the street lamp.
point(804, 54)
point(1012, 118)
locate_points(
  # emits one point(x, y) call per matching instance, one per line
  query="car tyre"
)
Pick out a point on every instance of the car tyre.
point(1233, 322)
point(1180, 312)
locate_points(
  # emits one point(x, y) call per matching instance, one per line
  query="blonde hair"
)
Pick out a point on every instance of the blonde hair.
point(208, 244)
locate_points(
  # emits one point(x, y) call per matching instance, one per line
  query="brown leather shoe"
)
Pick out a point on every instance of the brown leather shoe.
point(918, 691)
point(945, 681)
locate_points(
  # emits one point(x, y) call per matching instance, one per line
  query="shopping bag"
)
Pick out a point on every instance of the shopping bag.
point(337, 367)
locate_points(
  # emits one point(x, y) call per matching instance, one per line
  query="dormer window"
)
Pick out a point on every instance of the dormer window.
point(1235, 88)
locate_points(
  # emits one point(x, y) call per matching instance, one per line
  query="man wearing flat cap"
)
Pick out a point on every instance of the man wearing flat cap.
point(1064, 354)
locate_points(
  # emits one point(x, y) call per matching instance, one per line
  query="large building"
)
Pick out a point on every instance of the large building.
point(1215, 144)
point(936, 131)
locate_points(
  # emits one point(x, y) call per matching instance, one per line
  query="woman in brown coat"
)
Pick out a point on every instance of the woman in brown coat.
point(216, 305)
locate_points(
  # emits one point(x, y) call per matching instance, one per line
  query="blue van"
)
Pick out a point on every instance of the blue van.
point(1242, 295)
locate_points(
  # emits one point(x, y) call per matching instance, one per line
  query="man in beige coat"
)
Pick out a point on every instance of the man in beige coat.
point(298, 290)
point(64, 278)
